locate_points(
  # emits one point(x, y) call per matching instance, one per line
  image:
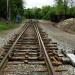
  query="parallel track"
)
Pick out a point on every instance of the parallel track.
point(30, 47)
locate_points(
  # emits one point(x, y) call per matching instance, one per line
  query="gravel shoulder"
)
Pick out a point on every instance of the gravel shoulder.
point(6, 35)
point(65, 40)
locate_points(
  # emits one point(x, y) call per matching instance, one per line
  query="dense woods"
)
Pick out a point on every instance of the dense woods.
point(3, 9)
point(14, 7)
point(62, 9)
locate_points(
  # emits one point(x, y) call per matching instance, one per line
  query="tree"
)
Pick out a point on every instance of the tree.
point(3, 9)
point(28, 13)
point(60, 11)
point(36, 13)
point(59, 7)
point(65, 7)
point(44, 11)
point(16, 6)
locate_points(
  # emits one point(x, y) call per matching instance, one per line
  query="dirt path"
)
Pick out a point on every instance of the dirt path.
point(65, 40)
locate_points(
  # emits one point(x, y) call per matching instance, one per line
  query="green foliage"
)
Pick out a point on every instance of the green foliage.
point(72, 11)
point(28, 13)
point(60, 11)
point(5, 26)
point(36, 13)
point(15, 7)
point(3, 8)
point(59, 7)
point(45, 12)
point(39, 13)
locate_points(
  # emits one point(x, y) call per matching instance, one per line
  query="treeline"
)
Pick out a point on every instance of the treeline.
point(14, 7)
point(63, 9)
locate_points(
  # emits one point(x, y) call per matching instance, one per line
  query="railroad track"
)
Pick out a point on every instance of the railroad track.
point(30, 53)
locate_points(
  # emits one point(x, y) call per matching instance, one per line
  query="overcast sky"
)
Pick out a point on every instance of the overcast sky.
point(38, 3)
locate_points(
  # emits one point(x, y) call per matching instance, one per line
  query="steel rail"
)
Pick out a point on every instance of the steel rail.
point(48, 62)
point(12, 47)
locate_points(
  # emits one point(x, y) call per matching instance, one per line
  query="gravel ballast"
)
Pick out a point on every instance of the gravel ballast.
point(65, 41)
point(6, 35)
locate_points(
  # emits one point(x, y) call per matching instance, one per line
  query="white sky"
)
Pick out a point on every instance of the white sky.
point(37, 3)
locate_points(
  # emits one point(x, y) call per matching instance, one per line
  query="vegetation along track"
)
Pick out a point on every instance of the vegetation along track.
point(30, 53)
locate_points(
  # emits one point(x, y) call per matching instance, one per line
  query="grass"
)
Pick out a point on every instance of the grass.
point(73, 30)
point(5, 26)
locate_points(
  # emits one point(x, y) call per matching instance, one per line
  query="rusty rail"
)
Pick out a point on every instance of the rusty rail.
point(47, 59)
point(41, 43)
point(12, 47)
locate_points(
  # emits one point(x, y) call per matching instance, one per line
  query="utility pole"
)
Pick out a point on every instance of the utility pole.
point(8, 11)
